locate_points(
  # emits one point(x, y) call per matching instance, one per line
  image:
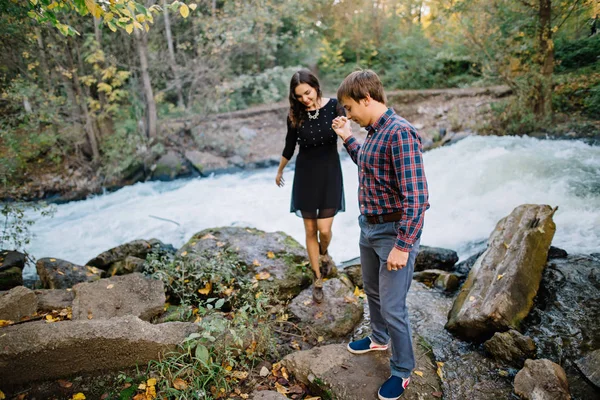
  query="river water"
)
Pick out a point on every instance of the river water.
point(472, 185)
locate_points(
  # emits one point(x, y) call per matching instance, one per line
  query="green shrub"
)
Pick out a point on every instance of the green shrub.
point(574, 54)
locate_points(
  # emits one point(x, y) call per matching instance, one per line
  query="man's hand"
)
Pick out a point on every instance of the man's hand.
point(341, 126)
point(397, 260)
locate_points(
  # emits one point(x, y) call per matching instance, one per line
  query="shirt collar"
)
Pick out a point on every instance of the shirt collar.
point(381, 121)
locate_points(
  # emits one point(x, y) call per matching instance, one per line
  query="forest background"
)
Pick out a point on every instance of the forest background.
point(94, 84)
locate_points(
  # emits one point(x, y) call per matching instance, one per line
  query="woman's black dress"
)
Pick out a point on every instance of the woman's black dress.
point(318, 190)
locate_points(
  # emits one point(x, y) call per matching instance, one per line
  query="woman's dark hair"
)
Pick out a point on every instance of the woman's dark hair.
point(297, 109)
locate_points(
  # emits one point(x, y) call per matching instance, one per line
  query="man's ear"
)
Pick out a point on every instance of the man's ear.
point(367, 100)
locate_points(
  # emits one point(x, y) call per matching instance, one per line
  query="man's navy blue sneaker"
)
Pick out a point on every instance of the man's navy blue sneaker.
point(393, 388)
point(365, 345)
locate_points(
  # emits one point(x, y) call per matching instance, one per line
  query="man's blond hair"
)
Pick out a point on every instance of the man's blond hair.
point(360, 84)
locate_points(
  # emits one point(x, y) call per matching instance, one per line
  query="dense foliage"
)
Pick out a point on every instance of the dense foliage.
point(94, 84)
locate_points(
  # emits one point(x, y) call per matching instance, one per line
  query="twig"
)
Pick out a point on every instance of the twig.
point(164, 219)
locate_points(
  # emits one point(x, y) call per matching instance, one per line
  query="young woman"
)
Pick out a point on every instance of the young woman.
point(317, 193)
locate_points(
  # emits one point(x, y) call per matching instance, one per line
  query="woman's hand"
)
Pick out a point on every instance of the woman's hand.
point(341, 126)
point(279, 179)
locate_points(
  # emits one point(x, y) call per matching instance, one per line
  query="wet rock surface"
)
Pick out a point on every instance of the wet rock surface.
point(542, 380)
point(511, 347)
point(11, 269)
point(435, 258)
point(60, 274)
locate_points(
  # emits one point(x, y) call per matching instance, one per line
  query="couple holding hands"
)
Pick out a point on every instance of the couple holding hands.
point(392, 196)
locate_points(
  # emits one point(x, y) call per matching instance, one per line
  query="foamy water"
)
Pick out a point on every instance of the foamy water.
point(472, 185)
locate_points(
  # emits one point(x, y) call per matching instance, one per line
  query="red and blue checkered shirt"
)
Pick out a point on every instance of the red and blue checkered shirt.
point(391, 176)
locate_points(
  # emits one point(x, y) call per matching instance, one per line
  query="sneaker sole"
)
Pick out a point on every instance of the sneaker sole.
point(378, 348)
point(388, 398)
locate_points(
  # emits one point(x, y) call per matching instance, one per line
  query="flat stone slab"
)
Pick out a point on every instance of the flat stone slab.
point(132, 294)
point(338, 374)
point(590, 367)
point(54, 299)
point(39, 350)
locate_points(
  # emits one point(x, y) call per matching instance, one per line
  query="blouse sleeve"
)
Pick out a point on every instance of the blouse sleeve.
point(290, 141)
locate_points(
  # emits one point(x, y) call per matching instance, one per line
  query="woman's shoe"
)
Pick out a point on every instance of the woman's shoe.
point(318, 291)
point(325, 264)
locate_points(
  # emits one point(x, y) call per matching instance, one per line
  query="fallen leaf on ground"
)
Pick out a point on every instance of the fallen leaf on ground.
point(60, 272)
point(439, 370)
point(64, 384)
point(500, 276)
point(207, 236)
point(261, 276)
point(256, 263)
point(90, 316)
point(5, 322)
point(285, 374)
point(419, 373)
point(220, 244)
point(350, 299)
point(180, 384)
point(319, 315)
point(280, 388)
point(239, 375)
point(437, 394)
point(206, 289)
point(184, 254)
point(320, 339)
point(2, 396)
point(78, 396)
point(151, 382)
point(142, 386)
point(53, 259)
point(110, 286)
point(270, 254)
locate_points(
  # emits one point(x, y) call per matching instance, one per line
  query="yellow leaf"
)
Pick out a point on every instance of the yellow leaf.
point(500, 276)
point(241, 375)
point(180, 384)
point(256, 263)
point(418, 373)
point(285, 374)
point(439, 370)
point(78, 396)
point(208, 236)
point(90, 316)
point(5, 322)
point(193, 6)
point(320, 339)
point(151, 382)
point(53, 259)
point(109, 16)
point(184, 254)
point(2, 396)
point(110, 286)
point(184, 11)
point(206, 289)
point(147, 27)
point(140, 17)
point(270, 254)
point(257, 295)
point(229, 368)
point(281, 389)
point(137, 25)
point(261, 276)
point(129, 28)
point(60, 272)
point(142, 386)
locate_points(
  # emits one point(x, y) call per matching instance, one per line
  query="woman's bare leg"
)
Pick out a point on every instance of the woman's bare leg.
point(312, 245)
point(324, 228)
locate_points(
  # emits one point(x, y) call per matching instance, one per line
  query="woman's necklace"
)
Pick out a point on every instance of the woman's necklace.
point(315, 116)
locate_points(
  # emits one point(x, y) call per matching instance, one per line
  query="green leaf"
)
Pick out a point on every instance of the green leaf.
point(202, 353)
point(219, 304)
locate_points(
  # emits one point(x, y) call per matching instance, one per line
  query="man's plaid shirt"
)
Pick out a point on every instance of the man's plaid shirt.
point(391, 176)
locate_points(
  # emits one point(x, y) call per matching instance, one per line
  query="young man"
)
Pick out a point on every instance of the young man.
point(393, 197)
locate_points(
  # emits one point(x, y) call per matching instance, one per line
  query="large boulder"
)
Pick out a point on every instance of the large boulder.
point(435, 258)
point(337, 315)
point(279, 260)
point(136, 248)
point(119, 296)
point(17, 303)
point(206, 163)
point(542, 380)
point(11, 269)
point(38, 350)
point(60, 274)
point(499, 291)
point(334, 373)
point(511, 347)
point(170, 166)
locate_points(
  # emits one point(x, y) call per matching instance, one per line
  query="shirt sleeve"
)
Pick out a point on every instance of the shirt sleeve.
point(352, 147)
point(407, 160)
point(290, 141)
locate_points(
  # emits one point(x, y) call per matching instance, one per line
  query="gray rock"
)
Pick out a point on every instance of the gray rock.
point(127, 266)
point(542, 380)
point(119, 296)
point(17, 303)
point(555, 252)
point(336, 316)
point(11, 269)
point(206, 163)
point(237, 161)
point(435, 258)
point(54, 299)
point(60, 274)
point(333, 372)
point(437, 278)
point(267, 395)
point(590, 367)
point(288, 267)
point(499, 292)
point(247, 133)
point(137, 248)
point(354, 272)
point(464, 267)
point(511, 347)
point(42, 351)
point(170, 166)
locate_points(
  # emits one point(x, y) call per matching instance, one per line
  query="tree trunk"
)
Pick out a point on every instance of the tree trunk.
point(151, 116)
point(172, 61)
point(81, 101)
point(45, 71)
point(543, 103)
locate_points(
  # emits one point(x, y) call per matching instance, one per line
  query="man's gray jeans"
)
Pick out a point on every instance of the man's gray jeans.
point(386, 292)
